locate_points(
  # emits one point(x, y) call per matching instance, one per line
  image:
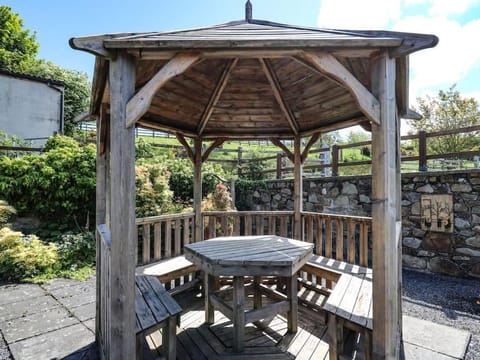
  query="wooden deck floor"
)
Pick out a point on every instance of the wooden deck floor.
point(195, 340)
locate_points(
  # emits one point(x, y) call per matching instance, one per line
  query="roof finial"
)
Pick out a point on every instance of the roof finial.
point(248, 11)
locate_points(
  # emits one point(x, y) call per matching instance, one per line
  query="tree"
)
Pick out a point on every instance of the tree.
point(448, 110)
point(17, 46)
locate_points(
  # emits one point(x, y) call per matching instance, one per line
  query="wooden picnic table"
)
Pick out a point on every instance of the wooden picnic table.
point(256, 256)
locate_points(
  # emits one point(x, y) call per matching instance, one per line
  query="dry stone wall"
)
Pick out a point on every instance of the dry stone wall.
point(456, 253)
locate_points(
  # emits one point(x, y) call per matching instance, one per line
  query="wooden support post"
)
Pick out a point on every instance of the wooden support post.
point(422, 151)
point(101, 211)
point(298, 189)
point(197, 189)
point(386, 312)
point(122, 211)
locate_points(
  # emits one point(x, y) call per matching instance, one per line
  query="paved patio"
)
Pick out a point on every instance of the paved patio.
point(56, 321)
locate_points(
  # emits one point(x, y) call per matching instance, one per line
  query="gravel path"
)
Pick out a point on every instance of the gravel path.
point(444, 300)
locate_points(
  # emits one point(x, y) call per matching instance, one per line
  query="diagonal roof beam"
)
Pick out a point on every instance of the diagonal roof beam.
point(311, 142)
point(212, 147)
point(138, 105)
point(188, 149)
point(217, 92)
point(330, 67)
point(275, 84)
point(288, 153)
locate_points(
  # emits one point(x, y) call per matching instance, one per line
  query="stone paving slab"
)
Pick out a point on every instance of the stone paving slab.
point(90, 324)
point(84, 312)
point(414, 352)
point(443, 340)
point(27, 307)
point(75, 295)
point(35, 324)
point(18, 292)
point(61, 283)
point(61, 343)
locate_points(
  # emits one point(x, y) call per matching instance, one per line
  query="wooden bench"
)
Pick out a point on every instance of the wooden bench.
point(170, 269)
point(348, 304)
point(155, 309)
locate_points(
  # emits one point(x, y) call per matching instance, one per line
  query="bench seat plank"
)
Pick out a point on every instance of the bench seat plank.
point(155, 308)
point(168, 269)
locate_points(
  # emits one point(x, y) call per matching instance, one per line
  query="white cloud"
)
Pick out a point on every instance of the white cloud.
point(366, 14)
point(453, 57)
point(432, 69)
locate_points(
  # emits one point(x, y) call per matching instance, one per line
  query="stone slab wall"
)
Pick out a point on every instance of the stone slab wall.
point(456, 253)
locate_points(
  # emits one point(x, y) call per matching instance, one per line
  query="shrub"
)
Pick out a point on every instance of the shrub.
point(181, 178)
point(25, 257)
point(55, 186)
point(153, 195)
point(6, 211)
point(77, 250)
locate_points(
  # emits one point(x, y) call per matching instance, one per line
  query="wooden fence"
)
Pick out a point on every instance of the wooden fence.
point(334, 153)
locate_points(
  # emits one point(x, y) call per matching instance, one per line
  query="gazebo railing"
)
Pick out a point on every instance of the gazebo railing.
point(342, 237)
point(163, 237)
point(345, 238)
point(235, 223)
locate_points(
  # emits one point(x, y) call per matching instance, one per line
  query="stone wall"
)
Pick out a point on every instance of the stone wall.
point(456, 253)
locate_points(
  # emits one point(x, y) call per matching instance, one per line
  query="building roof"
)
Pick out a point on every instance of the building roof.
point(31, 77)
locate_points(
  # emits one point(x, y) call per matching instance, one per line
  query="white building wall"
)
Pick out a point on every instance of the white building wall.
point(29, 109)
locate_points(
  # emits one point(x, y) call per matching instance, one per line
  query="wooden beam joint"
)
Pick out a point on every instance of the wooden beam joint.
point(288, 153)
point(138, 105)
point(330, 67)
point(188, 149)
point(311, 142)
point(212, 147)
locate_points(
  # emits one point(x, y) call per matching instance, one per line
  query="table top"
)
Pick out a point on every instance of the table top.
point(249, 255)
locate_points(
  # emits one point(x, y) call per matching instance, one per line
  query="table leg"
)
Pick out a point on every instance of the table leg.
point(238, 314)
point(335, 337)
point(292, 315)
point(209, 285)
point(257, 295)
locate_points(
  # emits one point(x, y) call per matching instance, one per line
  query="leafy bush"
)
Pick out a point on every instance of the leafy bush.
point(25, 257)
point(181, 178)
point(55, 186)
point(253, 169)
point(76, 250)
point(6, 211)
point(153, 194)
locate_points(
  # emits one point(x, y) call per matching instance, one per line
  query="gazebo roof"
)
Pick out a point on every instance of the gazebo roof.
point(254, 78)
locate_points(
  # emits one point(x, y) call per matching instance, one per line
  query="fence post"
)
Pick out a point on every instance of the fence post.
point(232, 191)
point(279, 166)
point(335, 152)
point(422, 151)
point(239, 161)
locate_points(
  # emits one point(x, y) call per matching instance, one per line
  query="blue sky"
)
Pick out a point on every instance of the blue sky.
point(455, 60)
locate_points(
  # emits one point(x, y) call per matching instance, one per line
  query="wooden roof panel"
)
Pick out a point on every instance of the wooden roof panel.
point(250, 78)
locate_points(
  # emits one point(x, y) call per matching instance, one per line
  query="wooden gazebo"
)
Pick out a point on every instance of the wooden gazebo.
point(247, 79)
